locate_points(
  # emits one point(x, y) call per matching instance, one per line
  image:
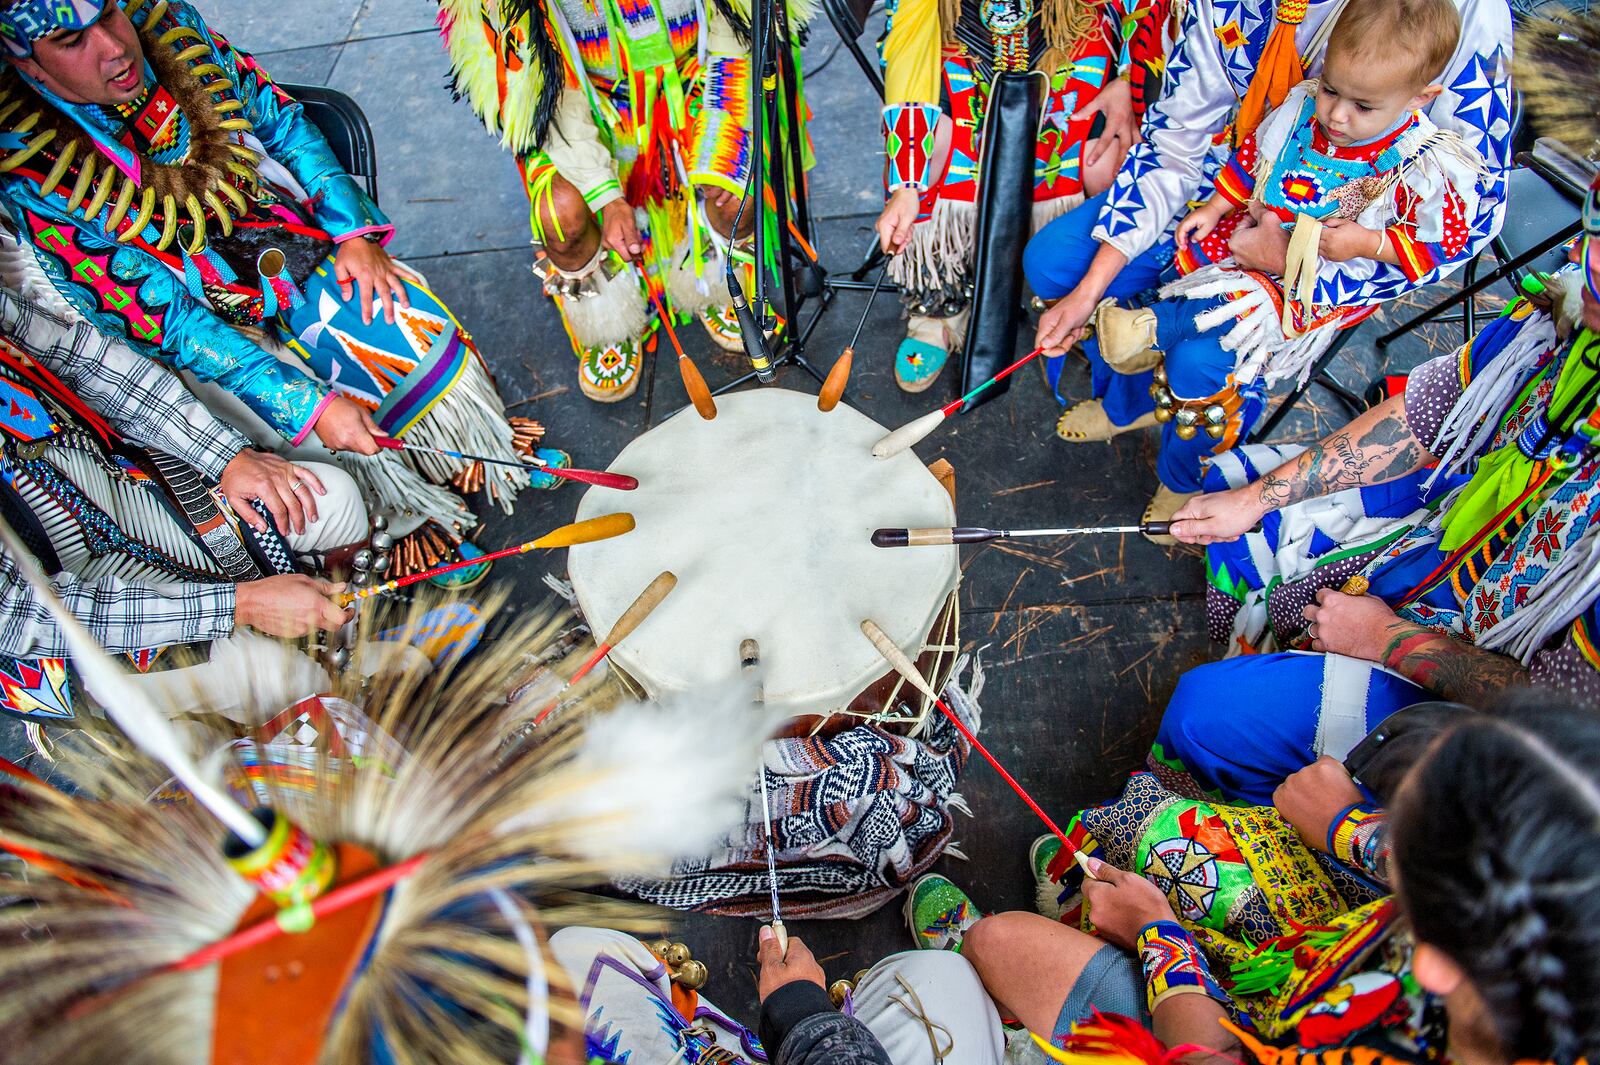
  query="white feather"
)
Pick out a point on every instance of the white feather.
point(651, 783)
point(126, 703)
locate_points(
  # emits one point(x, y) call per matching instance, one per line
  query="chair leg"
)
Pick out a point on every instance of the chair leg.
point(1294, 397)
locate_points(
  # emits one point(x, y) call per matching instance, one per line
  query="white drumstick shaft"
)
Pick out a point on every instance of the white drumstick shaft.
point(1075, 532)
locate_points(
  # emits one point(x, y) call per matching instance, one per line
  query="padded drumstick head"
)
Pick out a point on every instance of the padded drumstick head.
point(833, 387)
point(641, 607)
point(897, 658)
point(695, 385)
point(587, 532)
point(907, 435)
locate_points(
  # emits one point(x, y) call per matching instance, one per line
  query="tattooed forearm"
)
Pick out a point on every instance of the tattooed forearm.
point(1449, 668)
point(1376, 447)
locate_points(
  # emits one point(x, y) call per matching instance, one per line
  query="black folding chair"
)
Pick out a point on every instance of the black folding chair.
point(346, 128)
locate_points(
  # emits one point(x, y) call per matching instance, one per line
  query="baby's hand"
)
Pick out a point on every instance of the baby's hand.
point(1198, 225)
point(1344, 239)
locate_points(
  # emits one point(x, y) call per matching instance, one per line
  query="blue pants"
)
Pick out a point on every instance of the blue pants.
point(1241, 726)
point(1197, 365)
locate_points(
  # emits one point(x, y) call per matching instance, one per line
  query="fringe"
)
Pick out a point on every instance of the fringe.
point(1553, 602)
point(939, 249)
point(21, 273)
point(1047, 211)
point(1475, 418)
point(695, 287)
point(401, 491)
point(1255, 336)
point(614, 314)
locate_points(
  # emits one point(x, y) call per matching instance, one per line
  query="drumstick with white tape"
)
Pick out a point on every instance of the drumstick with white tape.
point(913, 676)
point(750, 666)
point(631, 619)
point(911, 432)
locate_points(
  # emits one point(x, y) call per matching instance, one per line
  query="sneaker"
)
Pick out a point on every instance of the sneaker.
point(939, 913)
point(610, 373)
point(550, 457)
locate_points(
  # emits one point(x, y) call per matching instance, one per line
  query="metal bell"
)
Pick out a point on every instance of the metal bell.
point(1163, 414)
point(382, 541)
point(379, 523)
point(677, 955)
point(1159, 374)
point(380, 565)
point(837, 992)
point(659, 947)
point(362, 560)
point(692, 975)
point(1038, 305)
point(1216, 422)
point(1188, 423)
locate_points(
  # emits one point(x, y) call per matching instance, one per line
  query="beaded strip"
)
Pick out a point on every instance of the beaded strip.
point(1173, 965)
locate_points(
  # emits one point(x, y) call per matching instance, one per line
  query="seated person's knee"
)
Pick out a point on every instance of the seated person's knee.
point(563, 216)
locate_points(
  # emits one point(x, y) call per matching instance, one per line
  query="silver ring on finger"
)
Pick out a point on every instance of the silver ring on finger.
point(1311, 630)
point(294, 486)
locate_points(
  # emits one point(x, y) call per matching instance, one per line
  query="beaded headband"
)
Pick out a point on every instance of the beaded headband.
point(29, 21)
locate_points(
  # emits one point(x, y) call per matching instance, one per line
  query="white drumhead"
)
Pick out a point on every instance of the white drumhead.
point(766, 515)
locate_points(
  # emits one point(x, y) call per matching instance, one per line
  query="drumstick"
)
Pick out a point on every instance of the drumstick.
point(911, 432)
point(619, 481)
point(693, 383)
point(631, 618)
point(750, 666)
point(908, 669)
point(975, 535)
point(833, 387)
point(579, 532)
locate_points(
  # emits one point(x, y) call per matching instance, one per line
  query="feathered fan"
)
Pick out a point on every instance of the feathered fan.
point(128, 937)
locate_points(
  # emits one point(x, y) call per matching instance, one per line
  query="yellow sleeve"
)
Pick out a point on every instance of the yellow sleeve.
point(911, 54)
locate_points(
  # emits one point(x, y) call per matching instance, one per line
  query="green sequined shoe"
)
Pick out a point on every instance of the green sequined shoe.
point(939, 913)
point(1047, 892)
point(550, 457)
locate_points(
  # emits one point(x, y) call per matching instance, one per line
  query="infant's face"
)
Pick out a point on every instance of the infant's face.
point(1360, 99)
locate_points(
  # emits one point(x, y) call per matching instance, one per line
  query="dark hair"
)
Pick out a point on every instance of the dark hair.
point(1496, 839)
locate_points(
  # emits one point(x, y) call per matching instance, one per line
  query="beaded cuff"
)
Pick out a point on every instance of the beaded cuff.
point(1357, 838)
point(908, 145)
point(1173, 965)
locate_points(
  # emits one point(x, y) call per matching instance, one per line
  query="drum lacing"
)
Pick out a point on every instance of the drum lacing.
point(931, 1027)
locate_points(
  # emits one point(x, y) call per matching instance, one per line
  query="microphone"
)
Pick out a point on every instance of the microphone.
point(754, 338)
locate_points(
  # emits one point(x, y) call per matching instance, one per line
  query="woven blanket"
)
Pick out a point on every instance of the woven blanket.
point(857, 817)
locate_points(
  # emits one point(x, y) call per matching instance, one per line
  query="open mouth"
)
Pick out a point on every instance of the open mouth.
point(127, 80)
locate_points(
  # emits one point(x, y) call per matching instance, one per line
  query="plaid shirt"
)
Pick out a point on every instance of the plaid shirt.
point(151, 407)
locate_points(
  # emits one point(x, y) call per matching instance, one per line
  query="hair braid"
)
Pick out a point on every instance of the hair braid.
point(1496, 838)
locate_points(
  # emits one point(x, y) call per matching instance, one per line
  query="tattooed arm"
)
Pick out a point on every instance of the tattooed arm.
point(1364, 627)
point(1378, 446)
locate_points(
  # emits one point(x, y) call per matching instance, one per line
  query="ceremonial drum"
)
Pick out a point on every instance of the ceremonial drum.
point(765, 514)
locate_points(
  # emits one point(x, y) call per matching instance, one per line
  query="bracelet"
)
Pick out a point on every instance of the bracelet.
point(1356, 838)
point(1383, 241)
point(1173, 965)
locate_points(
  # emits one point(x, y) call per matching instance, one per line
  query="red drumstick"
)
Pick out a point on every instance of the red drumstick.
point(620, 481)
point(908, 669)
point(913, 431)
point(631, 618)
point(579, 532)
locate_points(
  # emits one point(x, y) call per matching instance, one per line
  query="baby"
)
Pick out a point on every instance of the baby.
point(1349, 154)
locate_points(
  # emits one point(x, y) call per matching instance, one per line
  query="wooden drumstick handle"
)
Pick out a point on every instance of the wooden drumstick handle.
point(833, 386)
point(695, 385)
point(1356, 585)
point(641, 607)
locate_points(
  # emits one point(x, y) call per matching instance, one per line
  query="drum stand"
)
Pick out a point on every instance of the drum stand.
point(775, 139)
